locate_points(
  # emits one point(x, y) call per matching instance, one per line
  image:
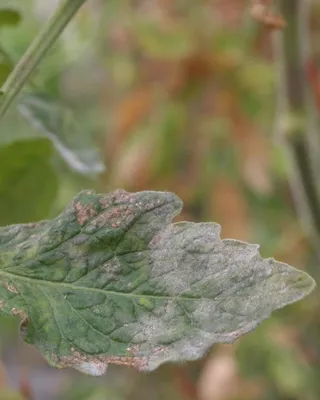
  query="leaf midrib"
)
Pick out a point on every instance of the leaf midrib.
point(69, 286)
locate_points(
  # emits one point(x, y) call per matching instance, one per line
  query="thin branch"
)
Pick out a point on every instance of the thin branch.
point(295, 115)
point(36, 51)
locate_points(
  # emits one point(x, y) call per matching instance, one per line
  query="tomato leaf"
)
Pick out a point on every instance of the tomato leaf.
point(112, 280)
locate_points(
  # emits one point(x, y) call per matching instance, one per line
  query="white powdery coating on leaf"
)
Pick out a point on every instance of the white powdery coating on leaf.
point(96, 368)
point(152, 292)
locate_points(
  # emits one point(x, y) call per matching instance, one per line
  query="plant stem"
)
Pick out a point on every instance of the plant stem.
point(295, 108)
point(36, 51)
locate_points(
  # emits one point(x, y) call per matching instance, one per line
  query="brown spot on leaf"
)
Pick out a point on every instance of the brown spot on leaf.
point(160, 351)
point(98, 365)
point(11, 288)
point(84, 213)
point(140, 363)
point(115, 216)
point(18, 312)
point(121, 196)
point(23, 326)
point(24, 319)
point(136, 361)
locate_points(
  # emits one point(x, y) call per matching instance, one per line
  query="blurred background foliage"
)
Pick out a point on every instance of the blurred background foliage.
point(161, 95)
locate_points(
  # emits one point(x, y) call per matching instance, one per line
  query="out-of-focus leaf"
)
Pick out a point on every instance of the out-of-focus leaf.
point(135, 161)
point(228, 203)
point(111, 280)
point(10, 394)
point(256, 81)
point(58, 123)
point(28, 183)
point(254, 157)
point(281, 361)
point(3, 376)
point(130, 112)
point(5, 66)
point(171, 128)
point(164, 41)
point(9, 17)
point(219, 378)
point(96, 393)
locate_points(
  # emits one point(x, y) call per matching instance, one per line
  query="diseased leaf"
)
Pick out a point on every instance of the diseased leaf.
point(28, 184)
point(58, 124)
point(111, 280)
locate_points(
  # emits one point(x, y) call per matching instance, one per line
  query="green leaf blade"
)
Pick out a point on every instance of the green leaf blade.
point(28, 183)
point(56, 122)
point(111, 280)
point(5, 66)
point(9, 17)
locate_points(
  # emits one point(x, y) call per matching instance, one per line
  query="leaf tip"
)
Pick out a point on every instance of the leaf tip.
point(304, 283)
point(293, 284)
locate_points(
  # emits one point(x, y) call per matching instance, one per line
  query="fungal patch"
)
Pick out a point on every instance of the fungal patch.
point(11, 288)
point(83, 213)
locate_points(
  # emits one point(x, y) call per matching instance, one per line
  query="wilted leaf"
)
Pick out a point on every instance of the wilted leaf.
point(111, 280)
point(28, 183)
point(59, 125)
point(9, 17)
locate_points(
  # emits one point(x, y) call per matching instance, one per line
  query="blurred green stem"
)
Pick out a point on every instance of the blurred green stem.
point(297, 114)
point(37, 50)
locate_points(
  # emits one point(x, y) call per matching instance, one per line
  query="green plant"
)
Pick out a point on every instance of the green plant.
point(111, 280)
